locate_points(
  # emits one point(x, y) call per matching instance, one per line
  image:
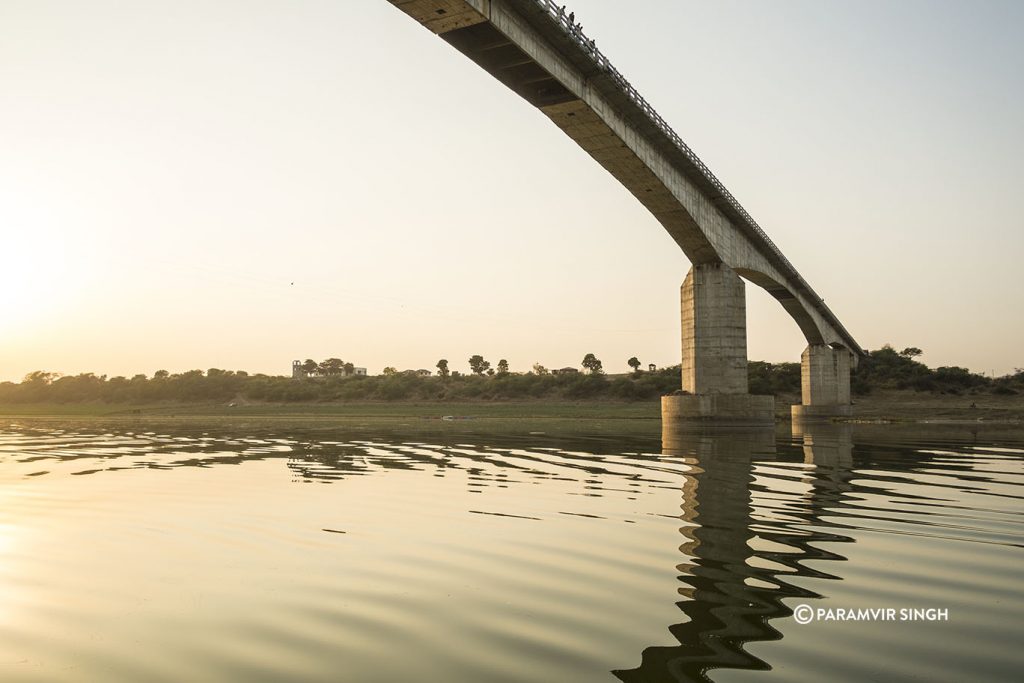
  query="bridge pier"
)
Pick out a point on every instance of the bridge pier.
point(714, 368)
point(824, 384)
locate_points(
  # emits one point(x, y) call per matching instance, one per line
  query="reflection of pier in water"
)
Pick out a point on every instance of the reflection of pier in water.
point(735, 557)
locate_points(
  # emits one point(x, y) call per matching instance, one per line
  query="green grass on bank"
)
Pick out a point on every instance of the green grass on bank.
point(422, 410)
point(894, 406)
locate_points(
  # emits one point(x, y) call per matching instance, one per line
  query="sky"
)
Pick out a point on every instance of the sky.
point(187, 184)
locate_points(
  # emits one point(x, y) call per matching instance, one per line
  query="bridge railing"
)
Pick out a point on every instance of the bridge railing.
point(573, 30)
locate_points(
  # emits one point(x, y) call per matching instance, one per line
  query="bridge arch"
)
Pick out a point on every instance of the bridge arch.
point(793, 305)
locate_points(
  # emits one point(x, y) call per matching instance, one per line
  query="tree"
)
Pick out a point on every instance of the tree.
point(349, 369)
point(310, 367)
point(539, 369)
point(331, 366)
point(40, 377)
point(389, 371)
point(490, 372)
point(502, 367)
point(591, 363)
point(478, 365)
point(634, 363)
point(442, 367)
point(911, 352)
point(161, 374)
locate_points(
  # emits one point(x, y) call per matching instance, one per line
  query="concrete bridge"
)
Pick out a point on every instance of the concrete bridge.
point(534, 48)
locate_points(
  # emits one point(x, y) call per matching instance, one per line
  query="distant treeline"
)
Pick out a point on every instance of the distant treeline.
point(882, 369)
point(886, 368)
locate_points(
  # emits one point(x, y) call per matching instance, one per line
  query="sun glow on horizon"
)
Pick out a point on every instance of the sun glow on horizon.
point(41, 275)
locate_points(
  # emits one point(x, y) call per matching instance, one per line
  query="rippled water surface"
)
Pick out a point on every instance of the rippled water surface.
point(159, 552)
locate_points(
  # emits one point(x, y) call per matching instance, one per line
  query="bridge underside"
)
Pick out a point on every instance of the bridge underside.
point(530, 46)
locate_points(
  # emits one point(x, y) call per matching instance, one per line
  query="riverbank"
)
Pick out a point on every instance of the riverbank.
point(439, 410)
point(892, 406)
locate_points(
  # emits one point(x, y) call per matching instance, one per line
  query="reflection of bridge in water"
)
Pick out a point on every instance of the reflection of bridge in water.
point(758, 515)
point(732, 578)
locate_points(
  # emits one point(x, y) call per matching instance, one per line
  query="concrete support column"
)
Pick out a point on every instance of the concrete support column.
point(714, 306)
point(714, 367)
point(824, 383)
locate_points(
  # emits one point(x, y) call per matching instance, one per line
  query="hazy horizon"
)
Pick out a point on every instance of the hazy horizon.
point(238, 185)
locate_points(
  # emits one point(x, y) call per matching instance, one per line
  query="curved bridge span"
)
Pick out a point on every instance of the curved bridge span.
point(536, 49)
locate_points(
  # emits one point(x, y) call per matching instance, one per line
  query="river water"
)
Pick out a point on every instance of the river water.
point(279, 551)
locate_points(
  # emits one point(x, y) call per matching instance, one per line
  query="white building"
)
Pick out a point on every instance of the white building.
point(299, 373)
